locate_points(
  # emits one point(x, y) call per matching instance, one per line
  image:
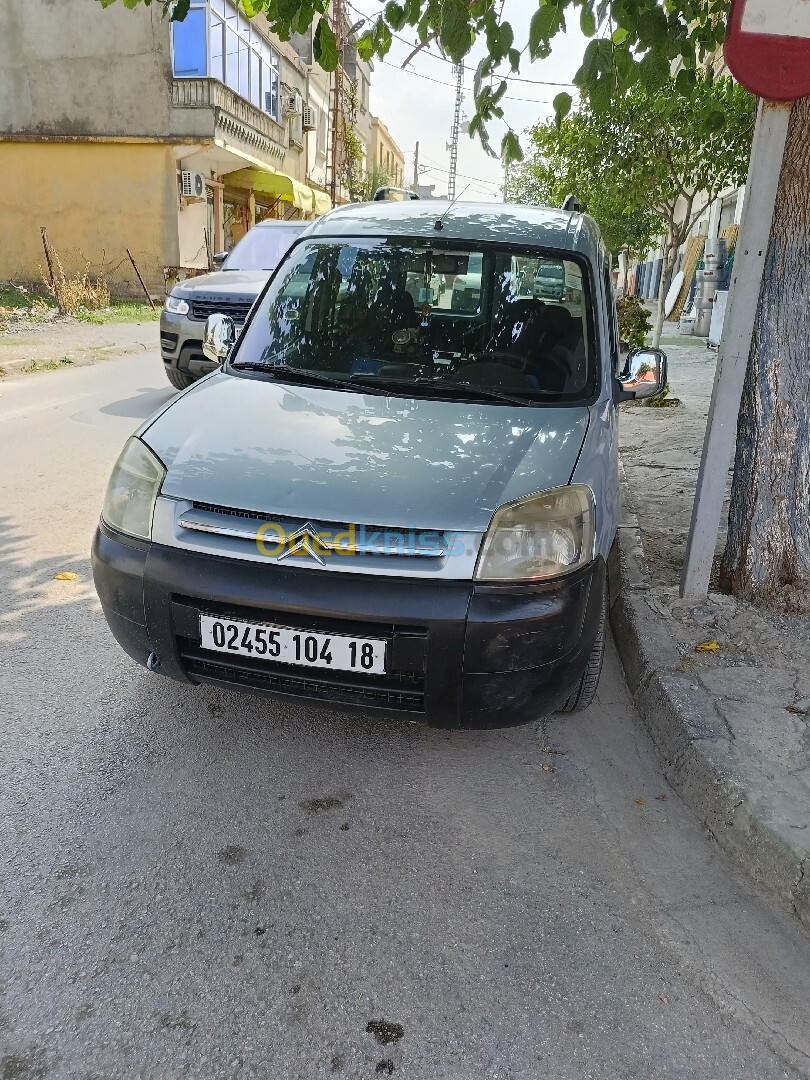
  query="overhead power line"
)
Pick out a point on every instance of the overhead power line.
point(467, 89)
point(477, 181)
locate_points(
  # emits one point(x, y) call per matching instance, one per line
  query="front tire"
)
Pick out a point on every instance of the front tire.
point(179, 379)
point(586, 691)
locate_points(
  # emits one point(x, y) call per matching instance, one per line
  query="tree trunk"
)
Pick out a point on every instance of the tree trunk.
point(767, 557)
point(670, 258)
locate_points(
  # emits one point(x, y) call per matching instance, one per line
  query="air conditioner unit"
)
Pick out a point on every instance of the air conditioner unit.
point(308, 114)
point(192, 186)
point(292, 104)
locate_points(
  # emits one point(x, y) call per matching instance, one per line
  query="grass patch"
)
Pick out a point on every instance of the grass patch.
point(120, 311)
point(47, 365)
point(19, 296)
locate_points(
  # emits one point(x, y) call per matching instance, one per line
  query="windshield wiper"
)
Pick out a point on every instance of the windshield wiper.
point(464, 390)
point(287, 373)
point(379, 384)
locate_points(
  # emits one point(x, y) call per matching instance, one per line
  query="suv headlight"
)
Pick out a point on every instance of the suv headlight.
point(544, 536)
point(133, 488)
point(177, 305)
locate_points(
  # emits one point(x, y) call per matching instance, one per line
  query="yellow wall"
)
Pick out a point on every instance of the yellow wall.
point(96, 200)
point(385, 153)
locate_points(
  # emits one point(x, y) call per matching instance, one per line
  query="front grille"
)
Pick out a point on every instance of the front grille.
point(372, 540)
point(396, 691)
point(236, 309)
point(228, 511)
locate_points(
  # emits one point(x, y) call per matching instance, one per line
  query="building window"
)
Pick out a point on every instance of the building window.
point(233, 52)
point(272, 92)
point(188, 43)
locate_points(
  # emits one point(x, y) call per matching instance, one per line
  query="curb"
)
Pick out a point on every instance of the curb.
point(692, 742)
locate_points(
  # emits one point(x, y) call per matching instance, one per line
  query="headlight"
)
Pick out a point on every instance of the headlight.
point(177, 305)
point(541, 537)
point(132, 490)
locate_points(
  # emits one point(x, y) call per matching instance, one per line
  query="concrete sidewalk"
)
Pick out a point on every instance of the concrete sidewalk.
point(41, 346)
point(732, 725)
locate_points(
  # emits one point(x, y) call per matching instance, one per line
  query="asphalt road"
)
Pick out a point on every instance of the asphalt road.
point(201, 884)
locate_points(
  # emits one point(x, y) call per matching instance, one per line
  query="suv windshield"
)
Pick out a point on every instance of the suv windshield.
point(263, 247)
point(424, 318)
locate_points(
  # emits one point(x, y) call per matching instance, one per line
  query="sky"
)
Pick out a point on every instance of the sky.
point(417, 103)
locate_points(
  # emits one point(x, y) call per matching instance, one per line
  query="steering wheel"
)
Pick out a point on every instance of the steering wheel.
point(507, 358)
point(521, 363)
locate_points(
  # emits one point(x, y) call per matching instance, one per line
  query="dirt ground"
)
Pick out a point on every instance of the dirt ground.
point(30, 345)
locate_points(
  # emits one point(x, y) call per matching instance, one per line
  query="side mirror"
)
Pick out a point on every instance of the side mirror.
point(644, 374)
point(218, 338)
point(219, 258)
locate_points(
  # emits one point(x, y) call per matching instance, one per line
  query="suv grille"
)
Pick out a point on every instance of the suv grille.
point(236, 309)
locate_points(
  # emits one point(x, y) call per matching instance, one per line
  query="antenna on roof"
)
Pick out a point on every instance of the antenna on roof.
point(572, 204)
point(440, 221)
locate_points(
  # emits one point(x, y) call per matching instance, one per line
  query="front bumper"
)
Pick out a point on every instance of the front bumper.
point(181, 341)
point(460, 654)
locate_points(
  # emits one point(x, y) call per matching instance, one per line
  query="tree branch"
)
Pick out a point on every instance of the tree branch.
point(423, 45)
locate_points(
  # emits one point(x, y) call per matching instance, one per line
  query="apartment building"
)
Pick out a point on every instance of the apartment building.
point(120, 130)
point(384, 152)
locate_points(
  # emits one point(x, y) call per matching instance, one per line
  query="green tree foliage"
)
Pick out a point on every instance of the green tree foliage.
point(649, 166)
point(586, 155)
point(632, 42)
point(634, 322)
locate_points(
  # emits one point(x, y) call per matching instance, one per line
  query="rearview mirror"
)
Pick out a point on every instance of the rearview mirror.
point(218, 338)
point(644, 374)
point(219, 258)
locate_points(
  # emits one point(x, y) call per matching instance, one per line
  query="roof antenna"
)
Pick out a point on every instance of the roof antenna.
point(572, 205)
point(440, 221)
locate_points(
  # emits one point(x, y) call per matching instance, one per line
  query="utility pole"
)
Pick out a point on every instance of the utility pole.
point(452, 146)
point(735, 348)
point(416, 168)
point(337, 101)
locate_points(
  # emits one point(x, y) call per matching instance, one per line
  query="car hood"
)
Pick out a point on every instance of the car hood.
point(224, 283)
point(336, 456)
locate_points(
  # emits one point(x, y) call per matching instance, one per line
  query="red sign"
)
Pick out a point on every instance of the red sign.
point(768, 47)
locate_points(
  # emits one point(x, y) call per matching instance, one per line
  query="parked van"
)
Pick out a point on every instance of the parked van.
point(369, 504)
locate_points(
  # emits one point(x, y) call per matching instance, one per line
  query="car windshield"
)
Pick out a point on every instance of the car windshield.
point(425, 318)
point(263, 247)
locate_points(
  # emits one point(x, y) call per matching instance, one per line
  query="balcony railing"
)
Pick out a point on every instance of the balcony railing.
point(233, 115)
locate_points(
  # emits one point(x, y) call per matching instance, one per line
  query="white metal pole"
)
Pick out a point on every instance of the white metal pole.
point(732, 362)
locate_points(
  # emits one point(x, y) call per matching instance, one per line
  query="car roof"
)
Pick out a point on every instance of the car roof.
point(281, 224)
point(509, 223)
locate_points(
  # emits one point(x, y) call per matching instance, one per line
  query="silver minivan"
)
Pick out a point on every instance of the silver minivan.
point(375, 502)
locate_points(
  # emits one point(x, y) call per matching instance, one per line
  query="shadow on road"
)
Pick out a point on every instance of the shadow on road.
point(141, 406)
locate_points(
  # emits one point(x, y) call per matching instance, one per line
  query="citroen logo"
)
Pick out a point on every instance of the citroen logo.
point(304, 541)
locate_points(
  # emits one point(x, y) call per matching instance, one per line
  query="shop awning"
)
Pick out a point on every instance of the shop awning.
point(321, 203)
point(278, 184)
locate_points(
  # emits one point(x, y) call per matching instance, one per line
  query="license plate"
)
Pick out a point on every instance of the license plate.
point(284, 645)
